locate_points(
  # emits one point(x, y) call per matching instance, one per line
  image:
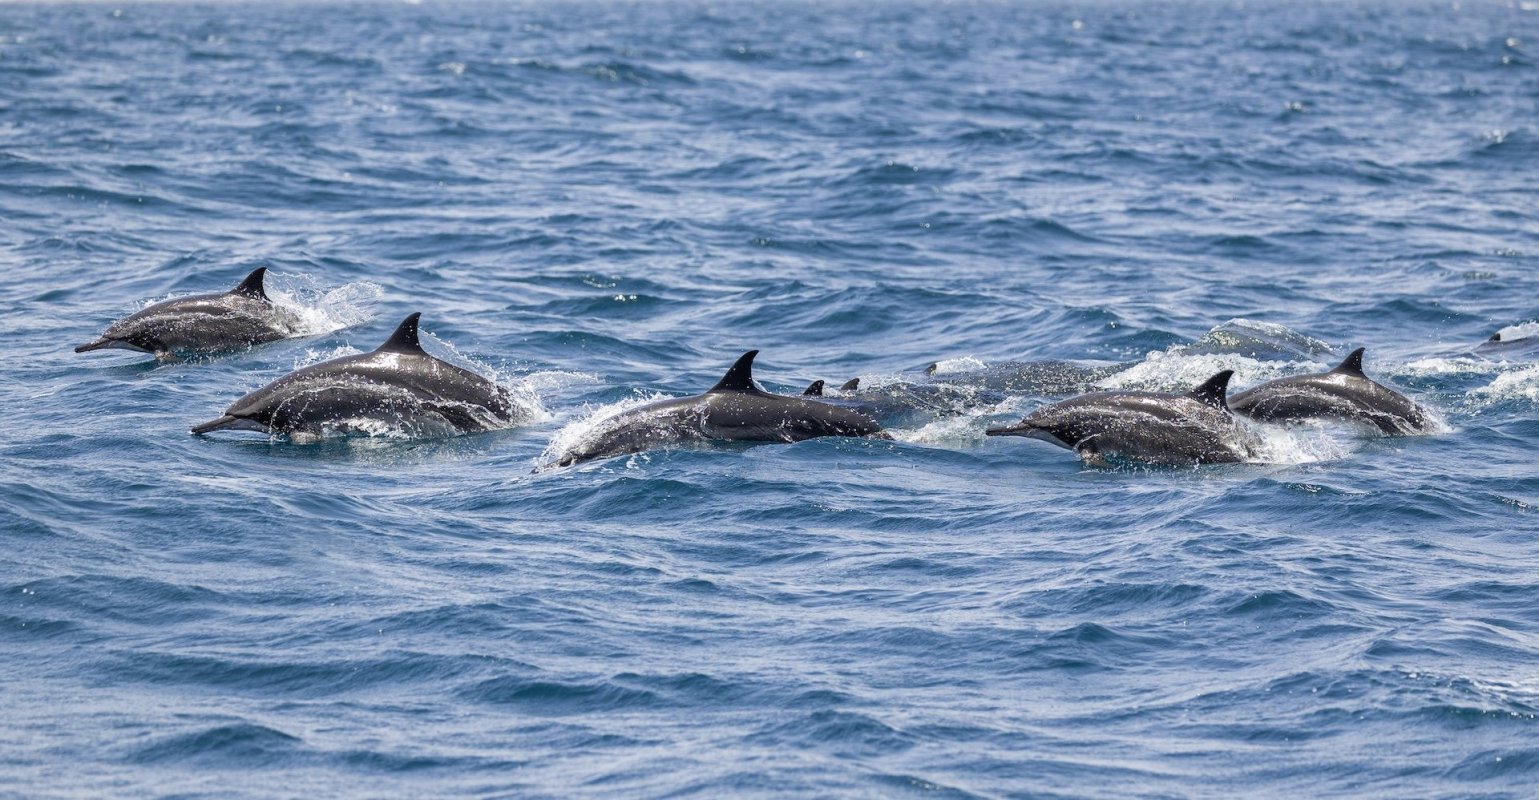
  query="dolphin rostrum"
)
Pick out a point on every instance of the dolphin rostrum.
point(203, 323)
point(1153, 427)
point(1344, 393)
point(398, 385)
point(735, 409)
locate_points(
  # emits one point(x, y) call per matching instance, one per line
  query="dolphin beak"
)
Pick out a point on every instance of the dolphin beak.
point(214, 425)
point(96, 345)
point(1018, 429)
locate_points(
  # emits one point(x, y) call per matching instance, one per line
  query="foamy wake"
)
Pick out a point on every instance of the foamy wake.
point(1439, 366)
point(1520, 384)
point(965, 429)
point(960, 364)
point(315, 309)
point(1299, 444)
point(1166, 371)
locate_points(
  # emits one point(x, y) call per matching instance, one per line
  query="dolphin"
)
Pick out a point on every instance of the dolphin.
point(1344, 393)
point(396, 384)
point(814, 389)
point(1510, 343)
point(735, 409)
point(1153, 427)
point(203, 323)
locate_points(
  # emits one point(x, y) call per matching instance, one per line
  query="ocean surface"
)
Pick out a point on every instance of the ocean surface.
point(604, 203)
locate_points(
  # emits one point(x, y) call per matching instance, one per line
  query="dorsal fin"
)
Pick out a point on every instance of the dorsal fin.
point(1352, 365)
point(740, 377)
point(404, 340)
point(850, 385)
point(930, 370)
point(814, 389)
point(252, 285)
point(1495, 337)
point(1214, 390)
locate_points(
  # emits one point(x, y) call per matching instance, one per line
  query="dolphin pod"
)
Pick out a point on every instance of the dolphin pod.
point(400, 384)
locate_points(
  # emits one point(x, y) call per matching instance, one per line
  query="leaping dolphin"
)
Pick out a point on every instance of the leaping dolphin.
point(1344, 393)
point(1153, 427)
point(204, 323)
point(733, 410)
point(397, 385)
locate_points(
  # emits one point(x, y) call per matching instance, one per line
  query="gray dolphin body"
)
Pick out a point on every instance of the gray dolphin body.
point(1152, 427)
point(733, 410)
point(204, 323)
point(1344, 393)
point(398, 384)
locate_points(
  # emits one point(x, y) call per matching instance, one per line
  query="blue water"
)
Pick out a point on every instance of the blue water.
point(602, 203)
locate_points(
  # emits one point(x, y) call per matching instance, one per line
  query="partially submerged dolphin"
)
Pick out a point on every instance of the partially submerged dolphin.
point(1344, 393)
point(1508, 342)
point(733, 410)
point(204, 323)
point(1153, 427)
point(397, 385)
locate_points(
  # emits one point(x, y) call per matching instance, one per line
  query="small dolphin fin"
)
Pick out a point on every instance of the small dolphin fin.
point(1495, 337)
point(814, 389)
point(740, 377)
point(252, 285)
point(1214, 390)
point(850, 385)
point(404, 340)
point(930, 370)
point(1352, 365)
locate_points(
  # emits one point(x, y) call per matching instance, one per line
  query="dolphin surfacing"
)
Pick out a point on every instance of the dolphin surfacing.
point(201, 324)
point(398, 385)
point(735, 409)
point(1344, 393)
point(1151, 427)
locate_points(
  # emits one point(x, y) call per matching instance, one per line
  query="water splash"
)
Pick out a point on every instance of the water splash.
point(1305, 443)
point(1521, 384)
point(316, 310)
point(1178, 372)
point(959, 364)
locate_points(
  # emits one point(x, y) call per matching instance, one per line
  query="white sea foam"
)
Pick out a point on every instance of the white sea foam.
point(316, 309)
point(960, 430)
point(1166, 371)
point(1520, 384)
point(1456, 365)
point(959, 364)
point(1299, 444)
